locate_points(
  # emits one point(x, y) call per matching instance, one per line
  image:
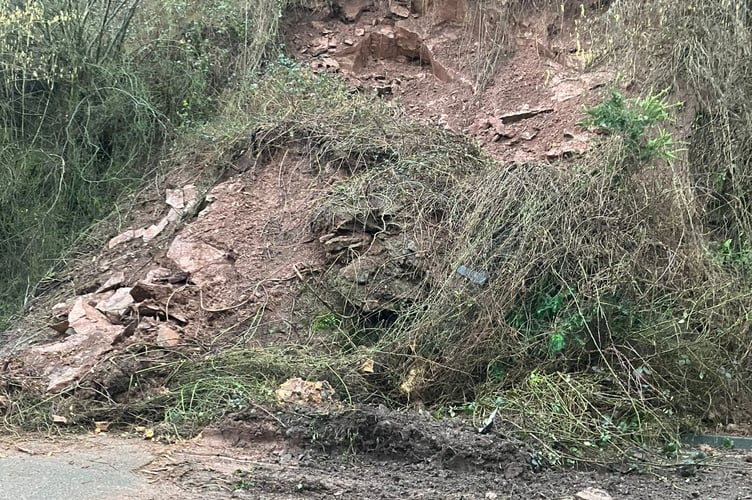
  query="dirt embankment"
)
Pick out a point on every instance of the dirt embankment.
point(513, 78)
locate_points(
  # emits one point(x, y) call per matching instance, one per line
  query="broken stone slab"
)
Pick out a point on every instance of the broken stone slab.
point(174, 198)
point(146, 324)
point(163, 308)
point(299, 391)
point(167, 337)
point(400, 11)
point(337, 243)
point(529, 134)
point(204, 262)
point(61, 310)
point(500, 128)
point(173, 315)
point(174, 215)
point(157, 275)
point(153, 231)
point(180, 202)
point(360, 270)
point(113, 282)
point(61, 327)
point(116, 306)
point(591, 493)
point(151, 309)
point(524, 114)
point(142, 291)
point(67, 362)
point(319, 45)
point(182, 199)
point(132, 234)
point(190, 196)
point(121, 238)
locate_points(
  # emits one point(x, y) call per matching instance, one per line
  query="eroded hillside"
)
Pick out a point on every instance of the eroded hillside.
point(410, 209)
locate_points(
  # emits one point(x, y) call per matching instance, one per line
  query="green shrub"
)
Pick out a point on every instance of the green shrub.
point(633, 119)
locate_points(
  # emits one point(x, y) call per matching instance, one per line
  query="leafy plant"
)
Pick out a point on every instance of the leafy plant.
point(326, 322)
point(555, 315)
point(633, 119)
point(729, 253)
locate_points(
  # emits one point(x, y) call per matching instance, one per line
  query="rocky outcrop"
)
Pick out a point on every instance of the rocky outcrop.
point(401, 41)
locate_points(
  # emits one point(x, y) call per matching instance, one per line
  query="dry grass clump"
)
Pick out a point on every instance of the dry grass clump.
point(591, 278)
point(703, 51)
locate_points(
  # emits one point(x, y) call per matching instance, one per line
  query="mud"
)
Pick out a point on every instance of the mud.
point(373, 452)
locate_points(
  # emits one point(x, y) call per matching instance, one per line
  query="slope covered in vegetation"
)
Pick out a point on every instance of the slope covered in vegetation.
point(597, 300)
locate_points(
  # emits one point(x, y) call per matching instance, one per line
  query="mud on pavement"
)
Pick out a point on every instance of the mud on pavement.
point(302, 452)
point(373, 452)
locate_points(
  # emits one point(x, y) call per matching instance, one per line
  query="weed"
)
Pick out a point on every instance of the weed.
point(632, 118)
point(727, 253)
point(696, 47)
point(243, 481)
point(326, 322)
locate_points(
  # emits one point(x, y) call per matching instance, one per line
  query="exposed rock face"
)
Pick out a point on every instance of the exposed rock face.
point(180, 201)
point(380, 278)
point(401, 41)
point(350, 10)
point(118, 305)
point(167, 337)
